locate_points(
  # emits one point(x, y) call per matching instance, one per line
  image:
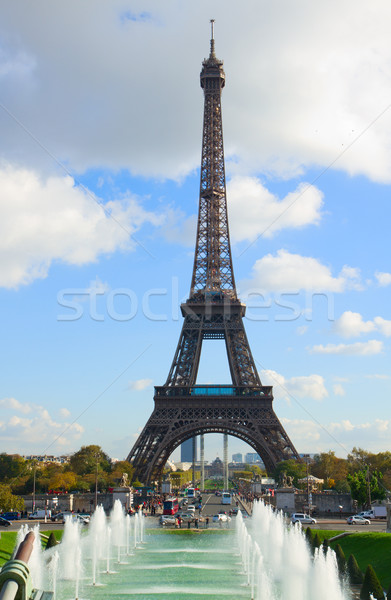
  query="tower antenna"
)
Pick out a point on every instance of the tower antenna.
point(212, 38)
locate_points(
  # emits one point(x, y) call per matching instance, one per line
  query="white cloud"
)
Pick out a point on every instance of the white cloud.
point(254, 211)
point(118, 103)
point(47, 220)
point(286, 272)
point(340, 436)
point(13, 404)
point(36, 432)
point(65, 413)
point(310, 386)
point(352, 324)
point(139, 384)
point(358, 349)
point(383, 279)
point(338, 390)
point(377, 376)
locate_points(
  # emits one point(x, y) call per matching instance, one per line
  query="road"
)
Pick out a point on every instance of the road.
point(212, 506)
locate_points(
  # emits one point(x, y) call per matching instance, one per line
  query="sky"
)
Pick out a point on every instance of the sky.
point(101, 123)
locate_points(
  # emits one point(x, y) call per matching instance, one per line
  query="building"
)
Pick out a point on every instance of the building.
point(187, 451)
point(251, 458)
point(237, 458)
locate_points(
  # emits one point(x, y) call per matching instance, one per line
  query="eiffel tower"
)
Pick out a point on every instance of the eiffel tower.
point(213, 311)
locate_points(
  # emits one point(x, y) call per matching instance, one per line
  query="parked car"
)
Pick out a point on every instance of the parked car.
point(4, 522)
point(221, 518)
point(303, 519)
point(61, 516)
point(11, 516)
point(167, 520)
point(357, 520)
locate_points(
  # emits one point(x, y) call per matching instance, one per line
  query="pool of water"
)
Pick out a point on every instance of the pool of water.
point(167, 566)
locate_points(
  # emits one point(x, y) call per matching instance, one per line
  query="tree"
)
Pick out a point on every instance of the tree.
point(309, 536)
point(316, 542)
point(371, 585)
point(88, 458)
point(11, 466)
point(366, 486)
point(51, 541)
point(9, 502)
point(355, 575)
point(341, 560)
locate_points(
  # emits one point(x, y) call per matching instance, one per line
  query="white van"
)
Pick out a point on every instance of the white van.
point(40, 514)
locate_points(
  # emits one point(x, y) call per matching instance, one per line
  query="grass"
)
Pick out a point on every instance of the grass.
point(369, 548)
point(8, 540)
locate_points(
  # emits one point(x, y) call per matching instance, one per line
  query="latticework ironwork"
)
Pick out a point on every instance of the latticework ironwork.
point(213, 311)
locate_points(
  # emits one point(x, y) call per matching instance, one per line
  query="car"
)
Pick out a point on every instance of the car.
point(191, 508)
point(357, 520)
point(222, 518)
point(218, 493)
point(11, 516)
point(234, 511)
point(303, 519)
point(4, 522)
point(186, 516)
point(167, 520)
point(61, 516)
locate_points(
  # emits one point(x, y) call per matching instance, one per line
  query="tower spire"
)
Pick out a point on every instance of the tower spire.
point(212, 39)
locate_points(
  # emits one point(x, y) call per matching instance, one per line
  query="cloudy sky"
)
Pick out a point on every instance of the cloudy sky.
point(101, 120)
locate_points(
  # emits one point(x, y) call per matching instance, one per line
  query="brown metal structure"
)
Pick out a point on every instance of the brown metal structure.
point(213, 311)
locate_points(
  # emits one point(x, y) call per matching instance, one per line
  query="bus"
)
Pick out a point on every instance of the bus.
point(190, 492)
point(226, 498)
point(170, 506)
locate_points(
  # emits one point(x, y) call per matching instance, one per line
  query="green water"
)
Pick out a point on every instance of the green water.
point(170, 566)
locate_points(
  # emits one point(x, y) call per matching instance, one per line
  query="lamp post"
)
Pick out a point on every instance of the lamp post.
point(34, 476)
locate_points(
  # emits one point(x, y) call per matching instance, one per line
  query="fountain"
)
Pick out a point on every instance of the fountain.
point(265, 559)
point(279, 564)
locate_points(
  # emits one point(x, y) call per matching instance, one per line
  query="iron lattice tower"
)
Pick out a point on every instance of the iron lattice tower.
point(212, 311)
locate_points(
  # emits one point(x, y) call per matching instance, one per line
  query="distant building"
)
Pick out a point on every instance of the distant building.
point(251, 458)
point(237, 458)
point(187, 451)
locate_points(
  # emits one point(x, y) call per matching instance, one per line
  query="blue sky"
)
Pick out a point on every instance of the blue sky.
point(101, 119)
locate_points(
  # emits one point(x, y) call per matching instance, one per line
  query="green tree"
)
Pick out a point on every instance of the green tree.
point(11, 466)
point(51, 541)
point(88, 458)
point(341, 559)
point(355, 575)
point(366, 485)
point(316, 542)
point(371, 585)
point(309, 536)
point(9, 502)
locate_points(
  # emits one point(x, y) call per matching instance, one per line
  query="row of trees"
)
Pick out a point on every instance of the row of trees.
point(365, 475)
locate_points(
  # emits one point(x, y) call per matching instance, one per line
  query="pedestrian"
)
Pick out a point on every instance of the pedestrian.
point(207, 522)
point(188, 523)
point(196, 523)
point(180, 522)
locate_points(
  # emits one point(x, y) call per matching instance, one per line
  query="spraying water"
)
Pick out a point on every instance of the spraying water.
point(279, 563)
